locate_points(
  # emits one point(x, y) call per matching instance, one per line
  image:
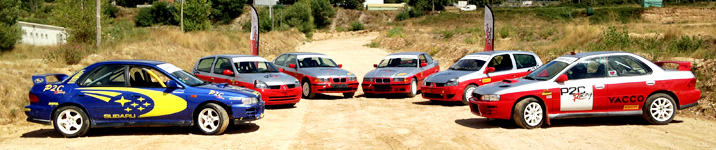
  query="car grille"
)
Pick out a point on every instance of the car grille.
point(428, 83)
point(290, 85)
point(475, 108)
point(340, 79)
point(382, 80)
point(279, 86)
point(383, 88)
point(439, 84)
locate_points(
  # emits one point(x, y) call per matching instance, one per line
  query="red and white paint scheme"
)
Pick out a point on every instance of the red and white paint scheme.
point(590, 84)
point(252, 72)
point(317, 73)
point(477, 69)
point(400, 73)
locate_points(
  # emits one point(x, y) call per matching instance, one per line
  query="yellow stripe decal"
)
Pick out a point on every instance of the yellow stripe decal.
point(105, 99)
point(108, 93)
point(164, 103)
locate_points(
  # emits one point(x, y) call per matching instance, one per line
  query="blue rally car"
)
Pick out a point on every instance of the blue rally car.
point(138, 93)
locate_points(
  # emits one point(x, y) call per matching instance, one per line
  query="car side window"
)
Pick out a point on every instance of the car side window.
point(501, 62)
point(525, 61)
point(422, 58)
point(205, 65)
point(280, 60)
point(106, 76)
point(430, 59)
point(221, 65)
point(591, 68)
point(143, 76)
point(621, 66)
point(291, 59)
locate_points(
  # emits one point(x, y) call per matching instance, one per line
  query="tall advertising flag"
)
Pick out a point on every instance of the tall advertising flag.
point(489, 29)
point(254, 32)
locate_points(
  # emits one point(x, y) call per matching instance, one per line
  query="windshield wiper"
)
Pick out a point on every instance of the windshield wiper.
point(529, 78)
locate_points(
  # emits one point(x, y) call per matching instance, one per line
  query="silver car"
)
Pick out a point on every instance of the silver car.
point(253, 72)
point(399, 73)
point(318, 73)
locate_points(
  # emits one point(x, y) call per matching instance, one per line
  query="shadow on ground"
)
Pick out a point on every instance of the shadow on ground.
point(129, 131)
point(484, 123)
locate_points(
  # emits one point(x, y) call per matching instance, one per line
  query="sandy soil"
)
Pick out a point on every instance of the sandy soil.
point(395, 122)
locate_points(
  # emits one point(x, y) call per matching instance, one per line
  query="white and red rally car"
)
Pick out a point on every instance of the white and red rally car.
point(590, 84)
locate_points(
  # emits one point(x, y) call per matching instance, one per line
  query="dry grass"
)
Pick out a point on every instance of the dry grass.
point(163, 44)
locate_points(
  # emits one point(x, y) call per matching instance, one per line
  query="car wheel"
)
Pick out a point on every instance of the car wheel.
point(349, 95)
point(528, 113)
point(70, 121)
point(413, 88)
point(467, 94)
point(307, 90)
point(659, 109)
point(212, 119)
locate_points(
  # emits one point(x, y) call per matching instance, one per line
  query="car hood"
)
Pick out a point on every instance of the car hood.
point(326, 72)
point(391, 72)
point(269, 78)
point(444, 76)
point(509, 86)
point(229, 88)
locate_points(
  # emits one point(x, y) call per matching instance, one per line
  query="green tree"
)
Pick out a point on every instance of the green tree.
point(10, 33)
point(349, 4)
point(322, 12)
point(299, 15)
point(32, 5)
point(196, 15)
point(78, 17)
point(223, 11)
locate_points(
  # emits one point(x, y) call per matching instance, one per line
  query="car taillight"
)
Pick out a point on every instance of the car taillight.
point(692, 83)
point(33, 98)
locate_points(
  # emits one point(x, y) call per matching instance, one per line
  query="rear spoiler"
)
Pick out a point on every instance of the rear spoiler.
point(683, 65)
point(41, 78)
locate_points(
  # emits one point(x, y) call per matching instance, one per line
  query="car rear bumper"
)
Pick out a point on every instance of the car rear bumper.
point(38, 114)
point(330, 88)
point(241, 112)
point(385, 88)
point(688, 98)
point(497, 110)
point(281, 96)
point(446, 93)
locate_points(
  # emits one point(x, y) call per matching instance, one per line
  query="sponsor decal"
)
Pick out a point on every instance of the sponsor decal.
point(402, 74)
point(388, 70)
point(350, 73)
point(268, 76)
point(566, 59)
point(612, 73)
point(627, 99)
point(256, 93)
point(478, 57)
point(219, 95)
point(546, 92)
point(576, 98)
point(627, 107)
point(57, 89)
point(52, 103)
point(486, 80)
point(76, 76)
point(119, 116)
point(39, 80)
point(148, 103)
point(28, 109)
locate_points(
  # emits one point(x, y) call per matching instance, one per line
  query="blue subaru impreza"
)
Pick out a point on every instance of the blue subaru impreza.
point(138, 93)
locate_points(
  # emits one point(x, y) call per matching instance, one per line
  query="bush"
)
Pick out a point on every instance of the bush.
point(144, 18)
point(196, 15)
point(402, 15)
point(9, 35)
point(223, 11)
point(349, 4)
point(322, 12)
point(621, 14)
point(616, 39)
point(133, 3)
point(110, 10)
point(505, 32)
point(299, 15)
point(356, 26)
point(69, 53)
point(395, 31)
point(686, 44)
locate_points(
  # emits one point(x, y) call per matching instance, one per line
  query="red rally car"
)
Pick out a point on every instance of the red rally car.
point(317, 73)
point(399, 73)
point(590, 84)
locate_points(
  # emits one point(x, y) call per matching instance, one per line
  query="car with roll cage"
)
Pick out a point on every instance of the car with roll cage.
point(253, 72)
point(477, 69)
point(122, 93)
point(590, 84)
point(317, 73)
point(399, 73)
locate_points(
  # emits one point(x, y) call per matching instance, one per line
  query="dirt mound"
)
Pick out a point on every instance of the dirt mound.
point(679, 15)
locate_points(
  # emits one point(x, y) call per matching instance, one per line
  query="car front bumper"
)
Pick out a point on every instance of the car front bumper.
point(331, 87)
point(373, 88)
point(496, 109)
point(242, 113)
point(281, 96)
point(445, 93)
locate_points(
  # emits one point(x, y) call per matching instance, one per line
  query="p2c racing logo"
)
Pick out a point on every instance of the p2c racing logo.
point(576, 98)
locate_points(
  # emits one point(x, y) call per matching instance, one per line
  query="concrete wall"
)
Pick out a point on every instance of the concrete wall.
point(40, 34)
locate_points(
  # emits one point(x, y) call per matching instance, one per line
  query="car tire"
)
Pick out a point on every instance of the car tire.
point(413, 88)
point(467, 93)
point(659, 109)
point(306, 87)
point(528, 113)
point(349, 95)
point(70, 121)
point(212, 119)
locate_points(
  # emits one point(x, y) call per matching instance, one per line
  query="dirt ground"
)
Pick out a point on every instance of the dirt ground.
point(395, 122)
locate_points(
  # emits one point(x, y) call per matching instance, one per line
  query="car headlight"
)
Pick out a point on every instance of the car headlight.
point(260, 84)
point(367, 79)
point(352, 78)
point(490, 97)
point(452, 82)
point(295, 81)
point(398, 79)
point(249, 100)
point(322, 79)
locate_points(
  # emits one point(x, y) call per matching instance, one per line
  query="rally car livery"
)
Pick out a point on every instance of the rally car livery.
point(138, 93)
point(399, 73)
point(317, 74)
point(253, 72)
point(477, 69)
point(590, 84)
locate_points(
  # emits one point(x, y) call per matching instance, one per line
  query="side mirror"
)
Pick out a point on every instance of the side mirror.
point(375, 65)
point(423, 64)
point(280, 69)
point(173, 84)
point(292, 66)
point(228, 72)
point(340, 65)
point(562, 78)
point(489, 69)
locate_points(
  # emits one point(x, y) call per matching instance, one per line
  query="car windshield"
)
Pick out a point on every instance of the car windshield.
point(183, 76)
point(468, 65)
point(398, 62)
point(547, 71)
point(255, 67)
point(316, 62)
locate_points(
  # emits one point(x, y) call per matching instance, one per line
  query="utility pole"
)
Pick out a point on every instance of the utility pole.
point(181, 15)
point(99, 26)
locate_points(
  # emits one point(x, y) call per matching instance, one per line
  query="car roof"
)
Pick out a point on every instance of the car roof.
point(586, 54)
point(407, 53)
point(132, 62)
point(500, 52)
point(304, 53)
point(232, 55)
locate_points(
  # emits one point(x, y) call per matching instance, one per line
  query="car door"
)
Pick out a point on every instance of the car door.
point(584, 91)
point(291, 59)
point(101, 92)
point(627, 73)
point(149, 98)
point(524, 64)
point(221, 64)
point(504, 68)
point(426, 71)
point(203, 68)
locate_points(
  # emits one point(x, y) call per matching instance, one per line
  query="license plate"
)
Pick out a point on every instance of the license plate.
point(340, 85)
